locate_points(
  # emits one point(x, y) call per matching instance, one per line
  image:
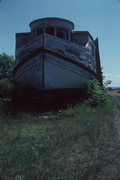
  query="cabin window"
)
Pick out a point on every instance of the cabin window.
point(39, 31)
point(67, 35)
point(50, 30)
point(33, 33)
point(61, 33)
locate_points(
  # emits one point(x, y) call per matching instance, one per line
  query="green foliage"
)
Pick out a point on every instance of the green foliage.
point(6, 85)
point(97, 94)
point(6, 65)
point(6, 74)
point(76, 143)
point(119, 91)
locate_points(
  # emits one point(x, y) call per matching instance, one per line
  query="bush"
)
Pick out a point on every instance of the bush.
point(6, 80)
point(96, 94)
point(119, 91)
point(6, 66)
point(6, 75)
point(6, 87)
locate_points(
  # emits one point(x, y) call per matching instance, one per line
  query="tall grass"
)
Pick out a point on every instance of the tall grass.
point(76, 143)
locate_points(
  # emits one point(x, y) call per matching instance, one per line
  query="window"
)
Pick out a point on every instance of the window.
point(33, 33)
point(67, 35)
point(50, 30)
point(39, 31)
point(61, 33)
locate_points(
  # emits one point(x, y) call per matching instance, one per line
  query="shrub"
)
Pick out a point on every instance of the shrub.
point(96, 94)
point(119, 91)
point(6, 75)
point(6, 87)
point(6, 80)
point(6, 66)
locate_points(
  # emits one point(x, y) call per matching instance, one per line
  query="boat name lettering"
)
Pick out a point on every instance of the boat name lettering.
point(73, 51)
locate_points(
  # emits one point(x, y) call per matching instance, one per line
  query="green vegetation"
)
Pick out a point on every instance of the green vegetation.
point(97, 95)
point(76, 143)
point(119, 91)
point(6, 75)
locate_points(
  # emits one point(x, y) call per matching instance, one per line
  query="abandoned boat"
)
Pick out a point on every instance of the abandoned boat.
point(54, 57)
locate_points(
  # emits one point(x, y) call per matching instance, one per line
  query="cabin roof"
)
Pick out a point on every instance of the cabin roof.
point(51, 18)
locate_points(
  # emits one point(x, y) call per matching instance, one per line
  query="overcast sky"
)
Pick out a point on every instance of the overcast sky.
point(100, 17)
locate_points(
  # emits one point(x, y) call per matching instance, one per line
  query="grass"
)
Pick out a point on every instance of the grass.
point(78, 143)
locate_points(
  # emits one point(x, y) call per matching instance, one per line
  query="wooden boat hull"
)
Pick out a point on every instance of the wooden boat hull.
point(49, 71)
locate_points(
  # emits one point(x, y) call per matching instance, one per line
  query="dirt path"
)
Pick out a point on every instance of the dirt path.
point(117, 117)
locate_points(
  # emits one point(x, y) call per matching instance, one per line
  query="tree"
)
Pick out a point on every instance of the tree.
point(6, 66)
point(6, 74)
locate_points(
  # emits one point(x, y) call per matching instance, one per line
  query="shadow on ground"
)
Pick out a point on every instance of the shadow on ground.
point(41, 101)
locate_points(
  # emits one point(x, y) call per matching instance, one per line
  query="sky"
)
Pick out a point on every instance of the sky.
point(100, 17)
